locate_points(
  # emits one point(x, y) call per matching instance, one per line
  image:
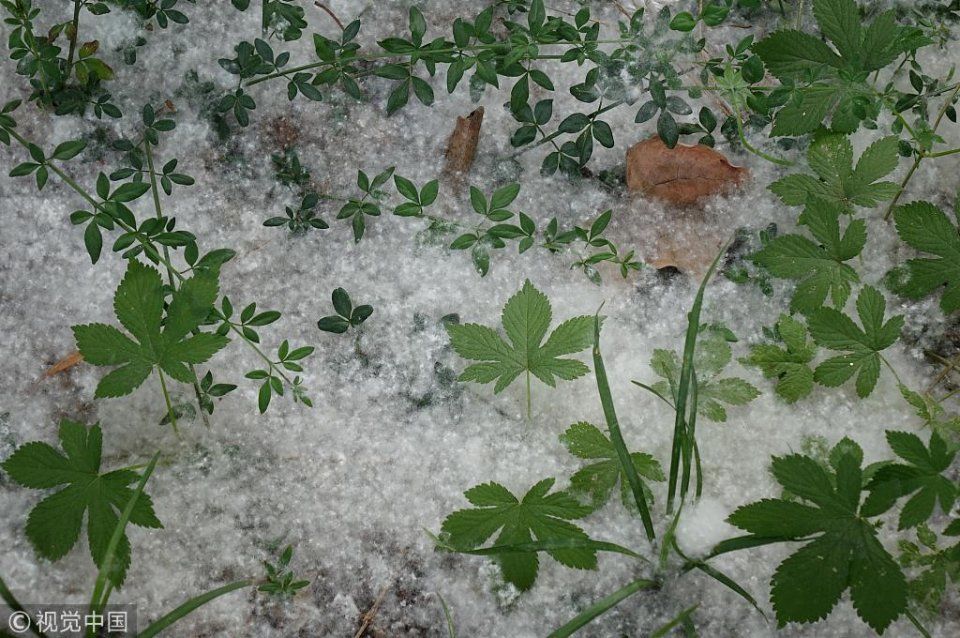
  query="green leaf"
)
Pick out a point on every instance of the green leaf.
point(138, 304)
point(792, 54)
point(827, 83)
point(839, 20)
point(711, 357)
point(837, 181)
point(817, 267)
point(539, 515)
point(789, 365)
point(927, 229)
point(526, 319)
point(68, 150)
point(844, 554)
point(683, 21)
point(921, 476)
point(503, 197)
point(832, 329)
point(54, 524)
point(598, 480)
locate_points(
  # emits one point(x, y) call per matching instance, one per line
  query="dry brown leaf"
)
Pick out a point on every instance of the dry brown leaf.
point(690, 250)
point(63, 364)
point(462, 145)
point(682, 175)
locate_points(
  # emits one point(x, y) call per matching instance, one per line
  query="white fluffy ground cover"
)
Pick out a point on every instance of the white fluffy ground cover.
point(353, 481)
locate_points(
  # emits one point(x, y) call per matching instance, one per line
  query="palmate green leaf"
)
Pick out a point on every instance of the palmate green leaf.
point(832, 329)
point(598, 480)
point(711, 357)
point(790, 365)
point(921, 476)
point(817, 267)
point(539, 515)
point(939, 567)
point(526, 319)
point(138, 304)
point(832, 82)
point(54, 524)
point(927, 229)
point(838, 181)
point(841, 551)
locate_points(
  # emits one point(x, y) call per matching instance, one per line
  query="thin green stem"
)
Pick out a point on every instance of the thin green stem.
point(166, 398)
point(7, 596)
point(77, 5)
point(952, 151)
point(890, 367)
point(529, 403)
point(155, 190)
point(103, 586)
point(916, 623)
point(751, 148)
point(455, 50)
point(955, 88)
point(558, 133)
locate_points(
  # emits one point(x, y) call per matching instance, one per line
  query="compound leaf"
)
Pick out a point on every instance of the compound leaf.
point(54, 524)
point(526, 319)
point(539, 514)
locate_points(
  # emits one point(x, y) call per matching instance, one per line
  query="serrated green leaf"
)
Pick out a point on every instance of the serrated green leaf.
point(921, 476)
point(711, 358)
point(789, 366)
point(138, 304)
point(526, 319)
point(844, 554)
point(832, 329)
point(54, 524)
point(539, 515)
point(837, 181)
point(927, 229)
point(598, 480)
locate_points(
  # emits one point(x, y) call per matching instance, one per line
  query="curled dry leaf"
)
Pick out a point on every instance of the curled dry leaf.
point(681, 176)
point(462, 145)
point(63, 364)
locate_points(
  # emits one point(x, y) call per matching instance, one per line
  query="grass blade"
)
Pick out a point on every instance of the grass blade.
point(538, 546)
point(654, 392)
point(681, 618)
point(451, 628)
point(550, 546)
point(717, 575)
point(100, 591)
point(683, 388)
point(198, 601)
point(690, 436)
point(601, 607)
point(746, 542)
point(616, 438)
point(15, 605)
point(730, 583)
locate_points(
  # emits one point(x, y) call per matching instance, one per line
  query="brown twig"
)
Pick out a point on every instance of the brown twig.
point(372, 612)
point(949, 366)
point(330, 13)
point(622, 9)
